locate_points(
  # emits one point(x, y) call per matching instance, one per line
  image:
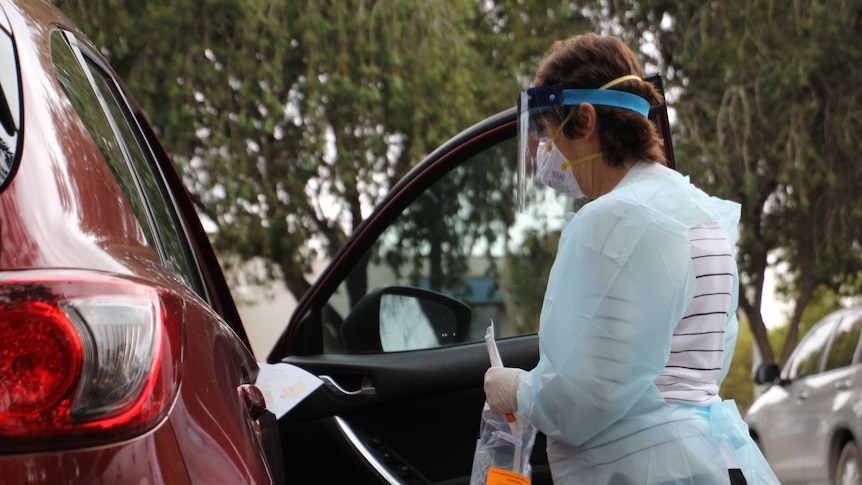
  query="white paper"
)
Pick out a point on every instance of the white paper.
point(284, 386)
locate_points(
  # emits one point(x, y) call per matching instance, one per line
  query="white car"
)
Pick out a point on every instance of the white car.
point(809, 422)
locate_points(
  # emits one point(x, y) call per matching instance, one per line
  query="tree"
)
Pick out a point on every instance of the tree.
point(210, 75)
point(769, 108)
point(290, 120)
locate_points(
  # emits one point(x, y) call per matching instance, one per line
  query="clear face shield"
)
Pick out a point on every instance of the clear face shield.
point(540, 112)
point(527, 146)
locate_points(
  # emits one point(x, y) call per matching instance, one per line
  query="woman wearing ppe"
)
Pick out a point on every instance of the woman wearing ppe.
point(638, 324)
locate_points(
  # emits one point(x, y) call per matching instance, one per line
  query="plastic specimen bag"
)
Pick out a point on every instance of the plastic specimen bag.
point(505, 442)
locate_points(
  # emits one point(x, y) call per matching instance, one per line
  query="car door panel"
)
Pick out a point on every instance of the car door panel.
point(413, 416)
point(420, 424)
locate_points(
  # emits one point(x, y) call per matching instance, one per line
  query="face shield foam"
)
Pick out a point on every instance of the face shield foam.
point(539, 106)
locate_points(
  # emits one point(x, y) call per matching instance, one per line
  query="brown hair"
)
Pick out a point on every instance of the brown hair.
point(590, 61)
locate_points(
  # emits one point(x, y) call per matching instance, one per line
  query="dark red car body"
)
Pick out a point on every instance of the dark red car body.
point(69, 233)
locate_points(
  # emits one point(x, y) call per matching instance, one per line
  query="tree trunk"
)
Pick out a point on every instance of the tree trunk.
point(806, 290)
point(295, 281)
point(758, 328)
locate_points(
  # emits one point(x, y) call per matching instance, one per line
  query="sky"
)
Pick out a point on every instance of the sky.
point(773, 310)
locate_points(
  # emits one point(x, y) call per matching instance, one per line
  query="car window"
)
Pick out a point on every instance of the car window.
point(10, 107)
point(462, 238)
point(844, 343)
point(175, 252)
point(106, 115)
point(808, 355)
point(77, 87)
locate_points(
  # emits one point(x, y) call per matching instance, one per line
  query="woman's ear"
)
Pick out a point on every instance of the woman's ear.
point(587, 116)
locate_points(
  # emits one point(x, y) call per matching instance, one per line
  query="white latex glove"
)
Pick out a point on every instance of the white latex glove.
point(501, 389)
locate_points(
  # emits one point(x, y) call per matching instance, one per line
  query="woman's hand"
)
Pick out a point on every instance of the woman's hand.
point(501, 389)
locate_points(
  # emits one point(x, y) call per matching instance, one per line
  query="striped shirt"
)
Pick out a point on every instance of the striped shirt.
point(697, 349)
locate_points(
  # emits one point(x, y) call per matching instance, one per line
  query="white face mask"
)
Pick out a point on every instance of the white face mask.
point(555, 169)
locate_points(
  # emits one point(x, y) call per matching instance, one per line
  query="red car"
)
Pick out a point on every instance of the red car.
point(124, 359)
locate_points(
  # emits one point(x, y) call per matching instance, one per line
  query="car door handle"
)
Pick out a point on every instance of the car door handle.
point(802, 396)
point(842, 385)
point(366, 388)
point(253, 400)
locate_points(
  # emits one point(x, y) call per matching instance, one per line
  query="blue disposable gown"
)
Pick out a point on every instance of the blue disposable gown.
point(621, 282)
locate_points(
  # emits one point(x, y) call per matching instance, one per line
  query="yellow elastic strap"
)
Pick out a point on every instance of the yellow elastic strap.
point(616, 81)
point(619, 80)
point(550, 146)
point(572, 163)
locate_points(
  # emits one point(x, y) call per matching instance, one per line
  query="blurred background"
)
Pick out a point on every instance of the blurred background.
point(289, 120)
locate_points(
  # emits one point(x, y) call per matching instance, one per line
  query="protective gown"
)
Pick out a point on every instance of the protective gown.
point(620, 284)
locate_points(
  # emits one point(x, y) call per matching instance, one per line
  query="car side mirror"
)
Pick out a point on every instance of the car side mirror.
point(766, 373)
point(397, 318)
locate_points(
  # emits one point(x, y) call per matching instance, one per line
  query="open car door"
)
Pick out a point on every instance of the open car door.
point(395, 324)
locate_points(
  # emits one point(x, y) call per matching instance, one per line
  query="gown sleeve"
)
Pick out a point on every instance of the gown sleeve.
point(619, 285)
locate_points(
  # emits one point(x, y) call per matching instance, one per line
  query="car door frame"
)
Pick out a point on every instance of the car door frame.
point(295, 340)
point(357, 384)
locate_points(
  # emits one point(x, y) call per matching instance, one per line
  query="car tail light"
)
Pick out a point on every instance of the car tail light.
point(86, 358)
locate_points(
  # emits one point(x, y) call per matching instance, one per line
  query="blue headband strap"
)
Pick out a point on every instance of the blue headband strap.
point(604, 97)
point(544, 97)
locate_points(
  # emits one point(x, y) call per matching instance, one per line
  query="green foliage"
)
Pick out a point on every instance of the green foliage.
point(769, 109)
point(290, 120)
